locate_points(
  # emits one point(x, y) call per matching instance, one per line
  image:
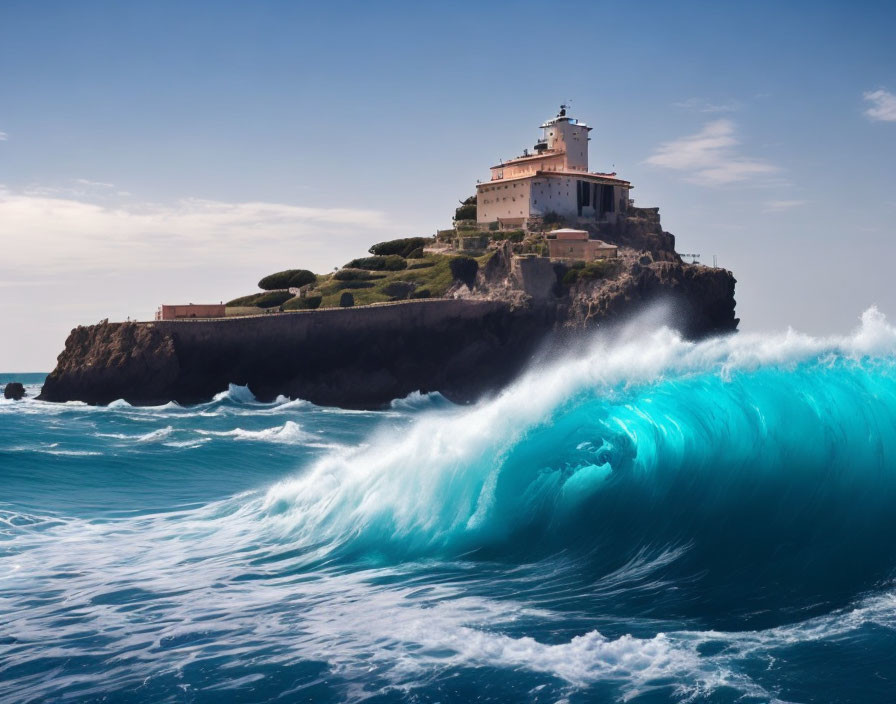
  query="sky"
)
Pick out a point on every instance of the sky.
point(177, 152)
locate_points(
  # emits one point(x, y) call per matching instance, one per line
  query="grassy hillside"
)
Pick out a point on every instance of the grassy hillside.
point(428, 276)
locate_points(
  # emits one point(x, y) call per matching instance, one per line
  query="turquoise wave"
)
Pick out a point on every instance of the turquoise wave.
point(771, 463)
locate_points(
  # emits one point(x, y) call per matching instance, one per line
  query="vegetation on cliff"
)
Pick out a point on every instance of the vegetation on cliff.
point(291, 278)
point(397, 270)
point(464, 269)
point(585, 271)
point(408, 247)
point(379, 262)
point(306, 303)
point(467, 210)
point(465, 256)
point(271, 299)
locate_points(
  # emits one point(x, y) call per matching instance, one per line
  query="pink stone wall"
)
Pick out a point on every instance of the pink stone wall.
point(193, 310)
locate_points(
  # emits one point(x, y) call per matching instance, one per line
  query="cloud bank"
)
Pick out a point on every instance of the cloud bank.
point(70, 234)
point(710, 157)
point(883, 105)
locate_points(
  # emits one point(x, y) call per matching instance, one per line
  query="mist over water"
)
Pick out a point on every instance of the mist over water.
point(647, 520)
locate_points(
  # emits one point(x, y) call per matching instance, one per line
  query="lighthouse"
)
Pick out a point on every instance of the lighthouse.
point(553, 178)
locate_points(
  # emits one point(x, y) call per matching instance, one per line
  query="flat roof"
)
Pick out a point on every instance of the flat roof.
point(564, 118)
point(585, 175)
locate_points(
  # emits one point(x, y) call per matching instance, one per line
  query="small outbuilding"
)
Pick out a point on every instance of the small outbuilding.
point(190, 310)
point(575, 244)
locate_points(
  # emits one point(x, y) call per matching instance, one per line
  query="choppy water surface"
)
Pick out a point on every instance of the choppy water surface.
point(649, 520)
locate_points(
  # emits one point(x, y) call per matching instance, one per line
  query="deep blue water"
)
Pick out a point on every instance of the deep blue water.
point(649, 520)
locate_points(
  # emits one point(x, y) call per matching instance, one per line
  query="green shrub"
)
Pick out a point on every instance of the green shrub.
point(356, 275)
point(346, 300)
point(493, 226)
point(570, 277)
point(464, 269)
point(421, 293)
point(467, 209)
point(399, 290)
point(391, 262)
point(416, 254)
point(243, 301)
point(306, 303)
point(355, 284)
point(590, 271)
point(272, 299)
point(291, 278)
point(515, 236)
point(403, 247)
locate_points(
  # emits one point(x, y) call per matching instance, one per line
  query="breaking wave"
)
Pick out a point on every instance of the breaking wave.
point(235, 393)
point(752, 441)
point(289, 433)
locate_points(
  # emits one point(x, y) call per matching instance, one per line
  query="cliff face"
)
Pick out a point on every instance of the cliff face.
point(353, 358)
point(700, 299)
point(366, 357)
point(108, 361)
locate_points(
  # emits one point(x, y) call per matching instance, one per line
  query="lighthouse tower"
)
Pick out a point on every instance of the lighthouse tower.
point(568, 137)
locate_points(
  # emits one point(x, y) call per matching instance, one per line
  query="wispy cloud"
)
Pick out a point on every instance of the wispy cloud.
point(882, 105)
point(3, 136)
point(711, 156)
point(702, 105)
point(94, 184)
point(55, 233)
point(776, 206)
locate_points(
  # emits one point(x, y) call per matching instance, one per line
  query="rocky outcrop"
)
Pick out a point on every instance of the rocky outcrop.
point(639, 230)
point(699, 299)
point(352, 357)
point(108, 361)
point(464, 346)
point(366, 357)
point(14, 391)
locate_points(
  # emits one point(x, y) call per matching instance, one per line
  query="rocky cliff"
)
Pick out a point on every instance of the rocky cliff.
point(364, 357)
point(700, 299)
point(354, 358)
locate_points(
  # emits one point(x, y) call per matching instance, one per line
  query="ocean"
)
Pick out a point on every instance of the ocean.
point(644, 519)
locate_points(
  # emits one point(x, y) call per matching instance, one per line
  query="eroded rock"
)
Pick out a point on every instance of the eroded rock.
point(14, 390)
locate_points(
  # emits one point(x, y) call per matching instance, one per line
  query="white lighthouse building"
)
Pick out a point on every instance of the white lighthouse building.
point(553, 179)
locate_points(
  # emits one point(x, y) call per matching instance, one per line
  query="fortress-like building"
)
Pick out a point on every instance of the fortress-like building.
point(555, 179)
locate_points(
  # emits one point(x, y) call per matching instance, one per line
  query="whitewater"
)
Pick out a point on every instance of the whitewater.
point(643, 519)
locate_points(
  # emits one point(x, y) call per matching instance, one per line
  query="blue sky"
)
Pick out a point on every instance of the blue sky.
point(168, 151)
